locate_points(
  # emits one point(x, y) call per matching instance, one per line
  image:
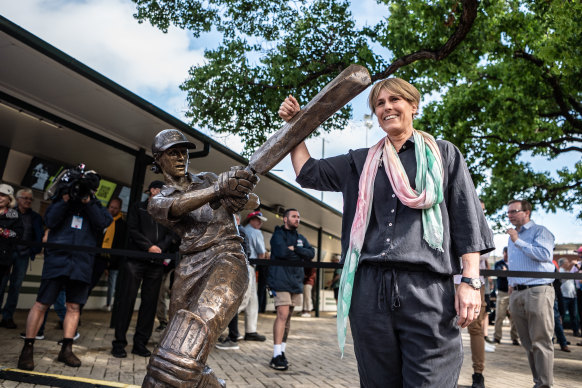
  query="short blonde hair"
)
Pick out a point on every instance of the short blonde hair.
point(395, 86)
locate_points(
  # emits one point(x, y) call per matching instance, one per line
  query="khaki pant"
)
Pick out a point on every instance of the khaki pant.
point(532, 311)
point(501, 306)
point(307, 301)
point(477, 338)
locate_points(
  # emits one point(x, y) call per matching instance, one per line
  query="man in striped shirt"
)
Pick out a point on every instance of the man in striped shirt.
point(531, 300)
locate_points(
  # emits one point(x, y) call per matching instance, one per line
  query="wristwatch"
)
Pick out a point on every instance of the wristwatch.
point(476, 283)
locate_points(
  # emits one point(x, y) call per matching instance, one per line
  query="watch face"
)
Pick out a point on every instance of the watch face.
point(476, 283)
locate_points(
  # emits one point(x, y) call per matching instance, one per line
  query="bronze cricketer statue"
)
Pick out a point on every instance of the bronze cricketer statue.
point(211, 279)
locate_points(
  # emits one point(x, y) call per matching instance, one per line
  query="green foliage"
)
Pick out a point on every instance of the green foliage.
point(511, 89)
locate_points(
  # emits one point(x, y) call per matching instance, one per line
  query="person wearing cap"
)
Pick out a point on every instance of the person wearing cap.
point(145, 235)
point(286, 282)
point(33, 231)
point(212, 276)
point(77, 219)
point(11, 228)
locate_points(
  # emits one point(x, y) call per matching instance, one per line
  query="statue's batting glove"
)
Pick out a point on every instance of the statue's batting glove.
point(237, 182)
point(236, 204)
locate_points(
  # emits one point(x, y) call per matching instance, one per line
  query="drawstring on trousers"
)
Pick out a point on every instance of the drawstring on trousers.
point(395, 300)
point(395, 294)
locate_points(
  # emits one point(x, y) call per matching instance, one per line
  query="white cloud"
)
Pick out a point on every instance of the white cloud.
point(103, 35)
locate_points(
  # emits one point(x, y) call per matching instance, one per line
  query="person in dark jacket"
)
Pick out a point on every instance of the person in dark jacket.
point(71, 221)
point(286, 282)
point(11, 228)
point(33, 231)
point(148, 236)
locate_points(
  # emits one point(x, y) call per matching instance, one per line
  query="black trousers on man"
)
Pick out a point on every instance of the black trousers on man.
point(148, 274)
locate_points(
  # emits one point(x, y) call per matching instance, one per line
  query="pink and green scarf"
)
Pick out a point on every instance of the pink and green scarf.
point(427, 196)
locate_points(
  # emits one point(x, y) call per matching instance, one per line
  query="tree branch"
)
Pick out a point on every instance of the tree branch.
point(528, 146)
point(467, 20)
point(558, 93)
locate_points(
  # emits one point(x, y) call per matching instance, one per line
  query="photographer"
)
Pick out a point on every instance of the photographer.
point(75, 217)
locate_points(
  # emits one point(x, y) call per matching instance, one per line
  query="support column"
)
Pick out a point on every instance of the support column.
point(317, 273)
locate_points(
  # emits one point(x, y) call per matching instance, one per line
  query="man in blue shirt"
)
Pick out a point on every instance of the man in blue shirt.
point(531, 300)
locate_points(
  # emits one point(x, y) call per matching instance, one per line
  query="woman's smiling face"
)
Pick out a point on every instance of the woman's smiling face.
point(394, 113)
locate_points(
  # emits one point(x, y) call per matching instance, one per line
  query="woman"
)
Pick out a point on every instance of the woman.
point(11, 228)
point(410, 211)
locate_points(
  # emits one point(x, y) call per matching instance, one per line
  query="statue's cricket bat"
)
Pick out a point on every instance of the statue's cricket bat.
point(347, 85)
point(351, 82)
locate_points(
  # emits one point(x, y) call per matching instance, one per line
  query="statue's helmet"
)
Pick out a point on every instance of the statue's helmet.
point(170, 138)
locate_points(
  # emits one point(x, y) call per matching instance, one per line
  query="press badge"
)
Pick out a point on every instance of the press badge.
point(77, 222)
point(299, 243)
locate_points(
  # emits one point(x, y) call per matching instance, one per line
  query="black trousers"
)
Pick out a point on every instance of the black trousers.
point(135, 273)
point(404, 328)
point(262, 287)
point(233, 332)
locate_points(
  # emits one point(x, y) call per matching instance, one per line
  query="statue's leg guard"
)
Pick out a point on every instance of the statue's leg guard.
point(176, 361)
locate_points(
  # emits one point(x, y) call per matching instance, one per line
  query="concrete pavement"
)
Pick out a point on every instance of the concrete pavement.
point(312, 351)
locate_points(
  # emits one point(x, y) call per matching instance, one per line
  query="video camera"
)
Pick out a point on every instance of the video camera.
point(76, 182)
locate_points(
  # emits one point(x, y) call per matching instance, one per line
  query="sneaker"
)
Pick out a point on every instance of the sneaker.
point(39, 336)
point(285, 359)
point(106, 308)
point(478, 381)
point(278, 363)
point(306, 315)
point(254, 337)
point(227, 345)
point(489, 348)
point(240, 336)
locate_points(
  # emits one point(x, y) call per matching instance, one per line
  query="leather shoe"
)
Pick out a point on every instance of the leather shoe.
point(118, 352)
point(66, 354)
point(254, 337)
point(26, 360)
point(141, 350)
point(565, 348)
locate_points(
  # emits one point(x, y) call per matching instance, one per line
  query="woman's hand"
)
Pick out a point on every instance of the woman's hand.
point(289, 108)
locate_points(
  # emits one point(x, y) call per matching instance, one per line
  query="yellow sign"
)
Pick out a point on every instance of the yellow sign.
point(105, 191)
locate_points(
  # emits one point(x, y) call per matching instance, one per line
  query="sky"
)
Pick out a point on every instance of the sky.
point(103, 35)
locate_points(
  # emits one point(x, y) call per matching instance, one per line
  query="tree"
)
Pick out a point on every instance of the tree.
point(507, 71)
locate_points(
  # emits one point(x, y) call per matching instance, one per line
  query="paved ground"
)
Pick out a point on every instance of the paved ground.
point(312, 352)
